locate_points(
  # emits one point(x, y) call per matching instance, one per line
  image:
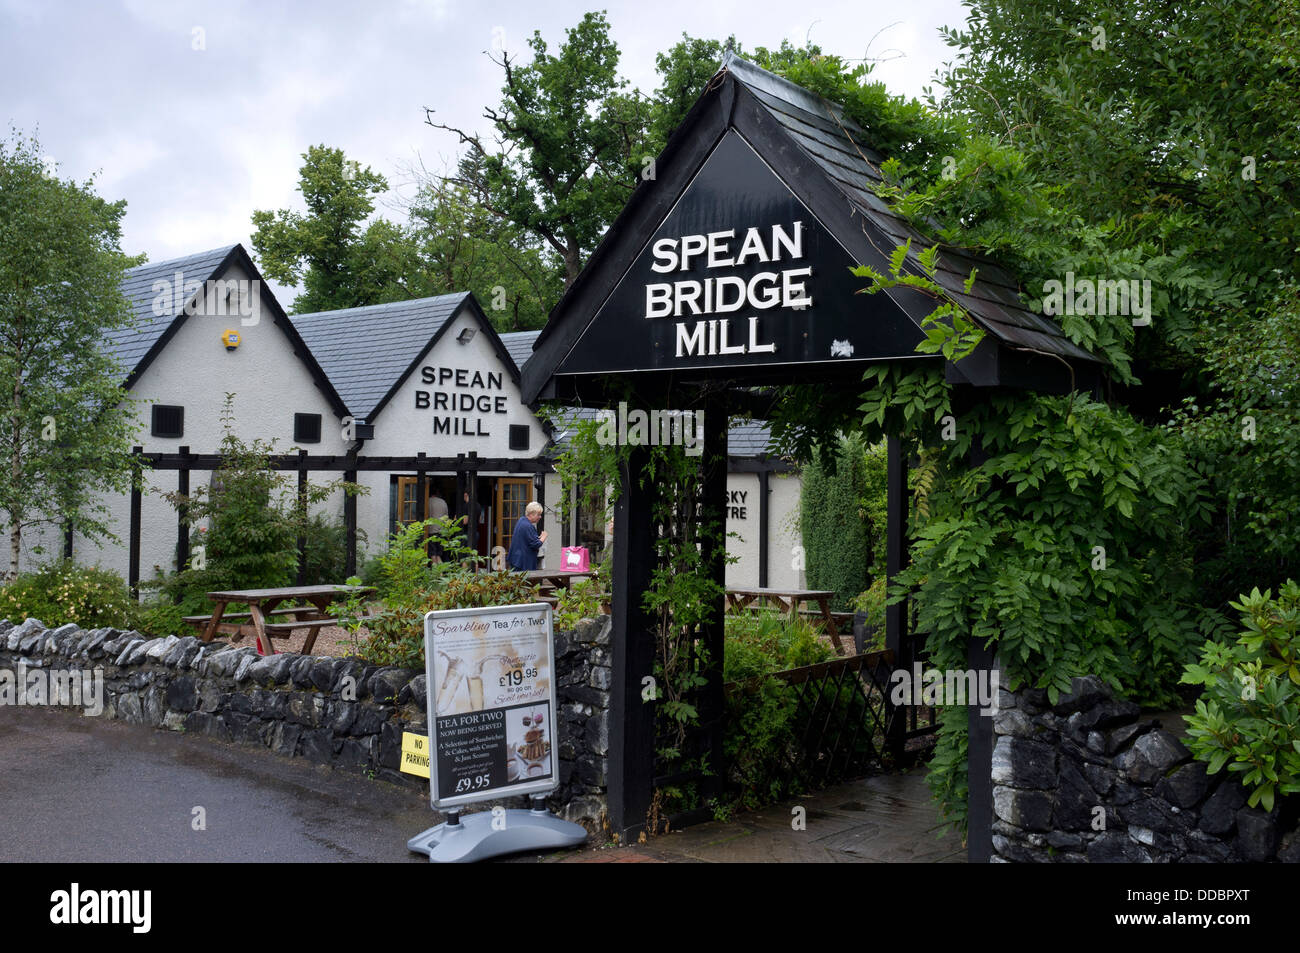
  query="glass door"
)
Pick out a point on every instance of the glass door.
point(408, 500)
point(513, 494)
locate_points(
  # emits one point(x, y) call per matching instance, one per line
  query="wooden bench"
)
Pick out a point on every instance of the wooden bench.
point(313, 627)
point(201, 621)
point(266, 604)
point(843, 620)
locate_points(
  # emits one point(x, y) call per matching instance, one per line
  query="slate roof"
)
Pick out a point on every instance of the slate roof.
point(520, 345)
point(132, 344)
point(366, 352)
point(748, 439)
point(838, 146)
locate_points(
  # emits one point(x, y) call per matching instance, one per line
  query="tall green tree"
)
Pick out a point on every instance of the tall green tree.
point(567, 132)
point(66, 425)
point(571, 140)
point(1156, 141)
point(341, 261)
point(833, 522)
point(458, 245)
point(684, 70)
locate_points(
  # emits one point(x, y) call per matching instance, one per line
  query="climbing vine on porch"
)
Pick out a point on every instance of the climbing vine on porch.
point(1057, 531)
point(681, 595)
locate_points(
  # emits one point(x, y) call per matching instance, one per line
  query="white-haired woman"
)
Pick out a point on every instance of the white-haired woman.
point(526, 542)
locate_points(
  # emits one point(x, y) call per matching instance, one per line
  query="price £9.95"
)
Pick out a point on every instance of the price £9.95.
point(475, 783)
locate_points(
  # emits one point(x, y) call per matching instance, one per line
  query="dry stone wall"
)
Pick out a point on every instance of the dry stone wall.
point(329, 710)
point(1089, 780)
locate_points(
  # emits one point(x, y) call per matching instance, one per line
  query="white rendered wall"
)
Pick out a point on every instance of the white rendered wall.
point(742, 528)
point(785, 547)
point(195, 371)
point(404, 429)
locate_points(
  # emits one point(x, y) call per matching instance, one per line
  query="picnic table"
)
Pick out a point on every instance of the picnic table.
point(263, 606)
point(788, 601)
point(557, 578)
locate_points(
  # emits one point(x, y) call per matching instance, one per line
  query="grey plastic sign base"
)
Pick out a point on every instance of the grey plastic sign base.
point(494, 834)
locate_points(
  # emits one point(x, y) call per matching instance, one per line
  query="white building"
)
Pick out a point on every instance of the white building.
point(389, 395)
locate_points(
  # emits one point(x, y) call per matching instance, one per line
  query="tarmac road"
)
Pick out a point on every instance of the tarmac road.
point(77, 789)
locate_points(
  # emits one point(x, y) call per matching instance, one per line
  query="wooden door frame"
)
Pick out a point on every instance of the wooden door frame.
point(504, 531)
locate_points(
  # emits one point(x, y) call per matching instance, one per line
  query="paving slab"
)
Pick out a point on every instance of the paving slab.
point(883, 819)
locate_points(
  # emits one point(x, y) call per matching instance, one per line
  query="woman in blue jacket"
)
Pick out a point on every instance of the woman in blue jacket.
point(526, 542)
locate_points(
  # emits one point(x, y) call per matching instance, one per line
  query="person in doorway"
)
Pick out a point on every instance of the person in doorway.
point(526, 542)
point(463, 515)
point(437, 510)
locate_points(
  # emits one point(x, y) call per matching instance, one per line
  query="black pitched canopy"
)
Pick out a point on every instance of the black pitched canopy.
point(733, 261)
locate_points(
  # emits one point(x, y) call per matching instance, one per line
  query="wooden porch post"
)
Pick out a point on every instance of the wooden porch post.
point(302, 509)
point(422, 495)
point(632, 713)
point(471, 464)
point(764, 517)
point(896, 639)
point(350, 517)
point(182, 512)
point(133, 556)
point(713, 510)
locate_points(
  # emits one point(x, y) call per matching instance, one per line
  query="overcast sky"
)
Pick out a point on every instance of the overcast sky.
point(198, 112)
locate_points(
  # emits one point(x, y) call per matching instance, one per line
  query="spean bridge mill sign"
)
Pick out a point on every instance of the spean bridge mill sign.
point(731, 269)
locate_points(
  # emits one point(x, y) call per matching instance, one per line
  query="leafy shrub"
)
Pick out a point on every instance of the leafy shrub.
point(158, 617)
point(475, 590)
point(759, 643)
point(411, 585)
point(63, 591)
point(584, 599)
point(396, 637)
point(254, 516)
point(325, 554)
point(1248, 717)
point(833, 521)
point(760, 736)
point(872, 602)
point(1066, 547)
point(397, 633)
point(875, 501)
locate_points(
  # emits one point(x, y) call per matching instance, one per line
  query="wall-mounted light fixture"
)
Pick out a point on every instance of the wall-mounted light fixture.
point(466, 335)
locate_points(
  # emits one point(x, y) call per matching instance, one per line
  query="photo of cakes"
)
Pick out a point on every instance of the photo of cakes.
point(528, 742)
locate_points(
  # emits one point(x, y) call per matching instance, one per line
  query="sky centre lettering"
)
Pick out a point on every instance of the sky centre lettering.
point(727, 293)
point(461, 392)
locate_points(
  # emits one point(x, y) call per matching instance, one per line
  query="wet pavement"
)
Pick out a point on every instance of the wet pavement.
point(75, 789)
point(884, 819)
